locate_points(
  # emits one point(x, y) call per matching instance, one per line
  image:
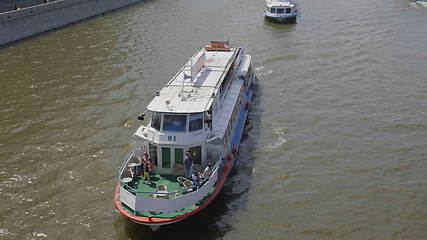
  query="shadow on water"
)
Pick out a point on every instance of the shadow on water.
point(216, 219)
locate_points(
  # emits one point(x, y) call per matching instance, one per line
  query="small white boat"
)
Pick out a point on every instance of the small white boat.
point(422, 2)
point(200, 114)
point(281, 10)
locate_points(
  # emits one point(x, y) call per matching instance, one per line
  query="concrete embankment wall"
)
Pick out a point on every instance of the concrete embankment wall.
point(18, 24)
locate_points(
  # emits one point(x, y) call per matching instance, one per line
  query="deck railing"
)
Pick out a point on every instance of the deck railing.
point(170, 201)
point(136, 147)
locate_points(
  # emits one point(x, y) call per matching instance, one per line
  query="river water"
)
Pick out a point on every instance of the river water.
point(335, 146)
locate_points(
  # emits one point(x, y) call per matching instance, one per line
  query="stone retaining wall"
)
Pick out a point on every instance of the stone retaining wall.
point(25, 22)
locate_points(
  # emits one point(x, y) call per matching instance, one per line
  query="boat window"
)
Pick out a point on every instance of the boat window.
point(273, 10)
point(197, 151)
point(166, 157)
point(288, 10)
point(280, 10)
point(155, 120)
point(174, 122)
point(196, 122)
point(153, 153)
point(179, 155)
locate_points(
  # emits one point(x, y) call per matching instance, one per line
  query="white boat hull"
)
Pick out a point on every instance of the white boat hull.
point(290, 19)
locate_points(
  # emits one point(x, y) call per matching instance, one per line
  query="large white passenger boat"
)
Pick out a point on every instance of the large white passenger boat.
point(200, 114)
point(281, 10)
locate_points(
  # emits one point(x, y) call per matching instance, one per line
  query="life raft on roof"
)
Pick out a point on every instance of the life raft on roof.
point(218, 46)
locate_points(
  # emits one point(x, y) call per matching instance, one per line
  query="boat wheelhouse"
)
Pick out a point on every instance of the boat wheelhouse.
point(203, 110)
point(281, 10)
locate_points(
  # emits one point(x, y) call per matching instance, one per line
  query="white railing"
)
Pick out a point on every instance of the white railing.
point(127, 198)
point(169, 204)
point(137, 149)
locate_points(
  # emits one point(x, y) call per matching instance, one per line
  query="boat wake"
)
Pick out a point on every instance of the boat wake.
point(279, 141)
point(263, 72)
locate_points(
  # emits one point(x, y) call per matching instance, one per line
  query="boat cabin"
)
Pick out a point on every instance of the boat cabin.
point(170, 135)
point(280, 9)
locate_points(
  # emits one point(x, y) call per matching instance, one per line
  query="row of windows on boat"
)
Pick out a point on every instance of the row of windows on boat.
point(278, 10)
point(227, 83)
point(237, 109)
point(180, 122)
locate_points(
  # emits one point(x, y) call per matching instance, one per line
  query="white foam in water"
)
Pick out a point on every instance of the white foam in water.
point(280, 141)
point(71, 174)
point(4, 232)
point(267, 72)
point(279, 131)
point(39, 234)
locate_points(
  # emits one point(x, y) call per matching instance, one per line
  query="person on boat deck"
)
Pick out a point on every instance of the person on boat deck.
point(132, 173)
point(195, 177)
point(150, 167)
point(188, 164)
point(139, 167)
point(146, 175)
point(208, 171)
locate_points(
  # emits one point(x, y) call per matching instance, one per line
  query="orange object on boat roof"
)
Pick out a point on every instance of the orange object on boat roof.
point(218, 46)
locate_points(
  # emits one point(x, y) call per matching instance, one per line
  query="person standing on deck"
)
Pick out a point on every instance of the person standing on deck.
point(188, 164)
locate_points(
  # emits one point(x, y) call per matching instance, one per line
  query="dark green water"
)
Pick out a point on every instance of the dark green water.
point(335, 147)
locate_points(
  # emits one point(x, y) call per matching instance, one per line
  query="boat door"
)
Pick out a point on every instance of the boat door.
point(169, 157)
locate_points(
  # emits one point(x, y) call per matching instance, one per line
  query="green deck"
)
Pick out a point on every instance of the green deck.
point(157, 179)
point(172, 186)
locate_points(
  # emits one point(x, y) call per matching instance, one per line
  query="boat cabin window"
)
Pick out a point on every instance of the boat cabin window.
point(288, 10)
point(174, 122)
point(196, 122)
point(153, 153)
point(280, 10)
point(273, 10)
point(156, 119)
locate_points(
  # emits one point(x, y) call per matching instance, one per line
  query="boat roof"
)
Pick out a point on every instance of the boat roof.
point(280, 3)
point(184, 94)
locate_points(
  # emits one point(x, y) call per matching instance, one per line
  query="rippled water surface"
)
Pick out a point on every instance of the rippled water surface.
point(335, 145)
